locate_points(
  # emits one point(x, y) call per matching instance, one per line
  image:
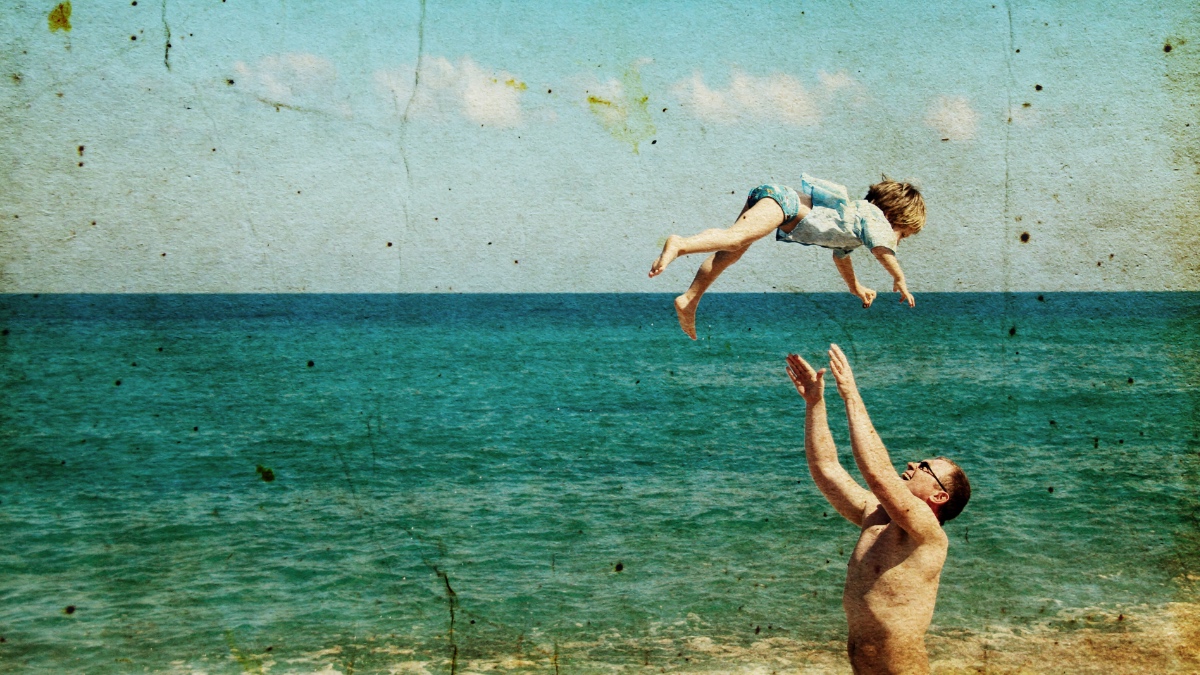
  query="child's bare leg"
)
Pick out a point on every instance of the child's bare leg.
point(753, 224)
point(686, 304)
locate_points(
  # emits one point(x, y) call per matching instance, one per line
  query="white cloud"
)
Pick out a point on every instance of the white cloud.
point(702, 101)
point(953, 118)
point(836, 81)
point(293, 80)
point(488, 98)
point(779, 96)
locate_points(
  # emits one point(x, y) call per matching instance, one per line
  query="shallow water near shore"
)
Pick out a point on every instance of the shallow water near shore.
point(566, 483)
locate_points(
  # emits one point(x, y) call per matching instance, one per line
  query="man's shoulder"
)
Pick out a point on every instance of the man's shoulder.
point(936, 540)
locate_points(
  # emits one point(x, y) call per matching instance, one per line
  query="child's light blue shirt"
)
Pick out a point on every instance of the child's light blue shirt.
point(838, 223)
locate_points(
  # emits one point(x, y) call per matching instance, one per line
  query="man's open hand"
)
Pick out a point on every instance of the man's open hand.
point(840, 366)
point(809, 383)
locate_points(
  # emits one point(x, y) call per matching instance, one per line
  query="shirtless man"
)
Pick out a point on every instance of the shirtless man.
point(892, 577)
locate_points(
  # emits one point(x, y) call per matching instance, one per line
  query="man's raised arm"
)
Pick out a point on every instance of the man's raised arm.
point(846, 496)
point(902, 506)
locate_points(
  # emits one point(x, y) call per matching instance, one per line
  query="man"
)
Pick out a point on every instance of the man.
point(892, 577)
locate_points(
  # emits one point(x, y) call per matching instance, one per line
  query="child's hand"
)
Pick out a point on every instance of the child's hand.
point(866, 295)
point(905, 296)
point(809, 384)
point(840, 366)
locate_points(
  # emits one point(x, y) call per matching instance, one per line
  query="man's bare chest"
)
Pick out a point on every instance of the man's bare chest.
point(886, 553)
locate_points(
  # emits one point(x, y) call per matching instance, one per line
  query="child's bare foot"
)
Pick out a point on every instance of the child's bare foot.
point(669, 253)
point(686, 309)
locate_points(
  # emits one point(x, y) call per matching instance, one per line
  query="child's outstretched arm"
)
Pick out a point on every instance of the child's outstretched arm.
point(888, 259)
point(846, 269)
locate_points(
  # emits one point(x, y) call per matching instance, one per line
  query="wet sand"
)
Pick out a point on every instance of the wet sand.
point(1163, 639)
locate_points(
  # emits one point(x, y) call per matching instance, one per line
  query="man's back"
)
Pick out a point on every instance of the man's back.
point(891, 587)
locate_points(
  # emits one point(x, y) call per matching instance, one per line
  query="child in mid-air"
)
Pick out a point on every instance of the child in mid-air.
point(822, 214)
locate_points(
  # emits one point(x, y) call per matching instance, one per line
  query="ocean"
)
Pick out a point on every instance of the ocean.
point(567, 484)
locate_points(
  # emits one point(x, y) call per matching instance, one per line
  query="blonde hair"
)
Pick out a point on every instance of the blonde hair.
point(901, 204)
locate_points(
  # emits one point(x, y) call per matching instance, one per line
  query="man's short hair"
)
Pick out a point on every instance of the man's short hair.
point(960, 491)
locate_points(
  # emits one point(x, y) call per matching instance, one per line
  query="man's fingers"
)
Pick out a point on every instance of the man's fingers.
point(797, 378)
point(800, 379)
point(799, 364)
point(804, 385)
point(835, 367)
point(838, 362)
point(837, 351)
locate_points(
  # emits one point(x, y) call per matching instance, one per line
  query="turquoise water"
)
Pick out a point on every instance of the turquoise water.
point(561, 481)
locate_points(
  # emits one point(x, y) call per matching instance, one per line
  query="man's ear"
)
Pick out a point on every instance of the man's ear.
point(940, 497)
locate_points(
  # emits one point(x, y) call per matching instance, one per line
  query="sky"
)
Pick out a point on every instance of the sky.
point(228, 146)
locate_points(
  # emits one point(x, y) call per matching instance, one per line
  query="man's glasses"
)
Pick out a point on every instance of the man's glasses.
point(924, 466)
